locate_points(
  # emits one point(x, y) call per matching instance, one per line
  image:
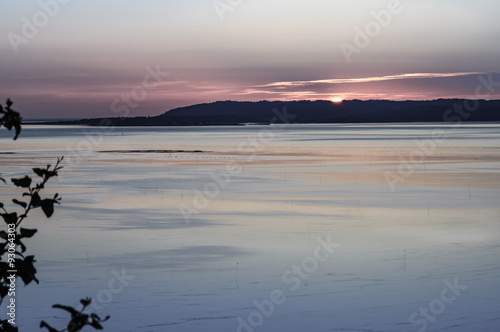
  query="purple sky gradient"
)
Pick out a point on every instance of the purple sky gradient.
point(85, 55)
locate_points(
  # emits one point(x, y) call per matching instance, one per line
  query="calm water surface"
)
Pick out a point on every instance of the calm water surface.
point(207, 223)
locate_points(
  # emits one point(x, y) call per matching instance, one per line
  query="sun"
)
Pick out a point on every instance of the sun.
point(337, 100)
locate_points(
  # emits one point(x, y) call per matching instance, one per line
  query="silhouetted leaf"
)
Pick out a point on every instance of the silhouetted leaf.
point(17, 127)
point(86, 302)
point(3, 235)
point(23, 204)
point(50, 328)
point(27, 233)
point(26, 270)
point(48, 206)
point(11, 119)
point(6, 327)
point(9, 218)
point(95, 316)
point(95, 324)
point(40, 172)
point(35, 200)
point(49, 174)
point(22, 182)
point(79, 319)
point(1, 205)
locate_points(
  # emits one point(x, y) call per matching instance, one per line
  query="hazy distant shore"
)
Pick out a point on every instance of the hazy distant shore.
point(303, 112)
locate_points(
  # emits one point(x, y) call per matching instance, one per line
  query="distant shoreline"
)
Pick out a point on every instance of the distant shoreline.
point(232, 113)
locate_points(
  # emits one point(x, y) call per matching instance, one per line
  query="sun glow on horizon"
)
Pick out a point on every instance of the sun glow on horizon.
point(337, 100)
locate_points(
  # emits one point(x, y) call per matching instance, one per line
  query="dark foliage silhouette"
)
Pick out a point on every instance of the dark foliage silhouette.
point(78, 318)
point(14, 262)
point(10, 119)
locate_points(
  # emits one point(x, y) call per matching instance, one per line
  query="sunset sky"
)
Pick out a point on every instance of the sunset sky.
point(85, 58)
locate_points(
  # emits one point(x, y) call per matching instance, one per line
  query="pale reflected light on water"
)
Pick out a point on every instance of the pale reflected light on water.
point(120, 209)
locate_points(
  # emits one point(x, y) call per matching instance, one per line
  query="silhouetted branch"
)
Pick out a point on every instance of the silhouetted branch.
point(12, 246)
point(10, 119)
point(78, 319)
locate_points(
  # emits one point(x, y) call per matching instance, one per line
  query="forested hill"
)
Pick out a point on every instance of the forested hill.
point(351, 111)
